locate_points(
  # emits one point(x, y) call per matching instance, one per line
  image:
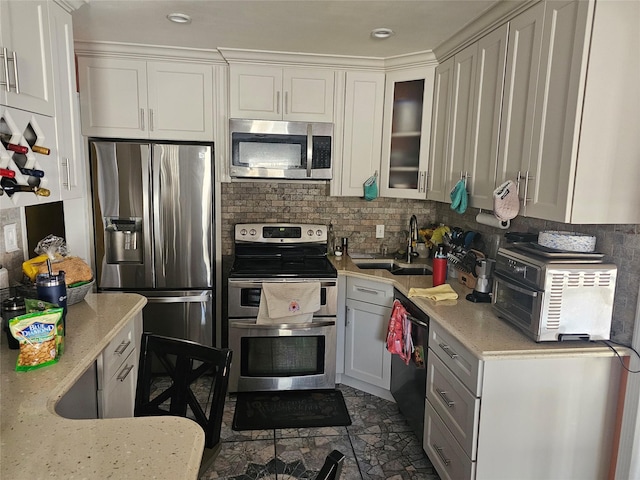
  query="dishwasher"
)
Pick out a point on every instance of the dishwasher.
point(409, 382)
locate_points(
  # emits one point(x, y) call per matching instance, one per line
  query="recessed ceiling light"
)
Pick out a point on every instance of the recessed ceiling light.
point(381, 33)
point(179, 18)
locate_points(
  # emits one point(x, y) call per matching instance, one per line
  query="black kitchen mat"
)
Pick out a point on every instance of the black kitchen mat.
point(290, 409)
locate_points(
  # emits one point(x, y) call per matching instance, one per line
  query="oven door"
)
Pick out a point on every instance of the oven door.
point(243, 297)
point(295, 356)
point(519, 304)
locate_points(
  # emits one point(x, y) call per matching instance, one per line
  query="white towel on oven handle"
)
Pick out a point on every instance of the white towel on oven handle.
point(288, 302)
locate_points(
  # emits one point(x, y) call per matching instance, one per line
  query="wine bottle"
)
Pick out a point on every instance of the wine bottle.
point(10, 187)
point(5, 172)
point(16, 148)
point(40, 150)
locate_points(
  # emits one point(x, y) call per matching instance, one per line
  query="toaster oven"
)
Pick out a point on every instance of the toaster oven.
point(554, 298)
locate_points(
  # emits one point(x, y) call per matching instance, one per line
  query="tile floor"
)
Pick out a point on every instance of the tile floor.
point(378, 444)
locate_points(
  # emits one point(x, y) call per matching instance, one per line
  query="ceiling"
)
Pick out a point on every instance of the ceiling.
point(338, 27)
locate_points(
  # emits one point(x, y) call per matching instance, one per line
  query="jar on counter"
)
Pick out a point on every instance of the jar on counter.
point(11, 308)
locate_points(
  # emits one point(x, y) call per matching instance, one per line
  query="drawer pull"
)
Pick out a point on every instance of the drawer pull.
point(448, 351)
point(122, 347)
point(444, 459)
point(125, 372)
point(366, 290)
point(444, 397)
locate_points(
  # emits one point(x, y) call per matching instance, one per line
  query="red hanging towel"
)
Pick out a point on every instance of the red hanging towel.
point(399, 333)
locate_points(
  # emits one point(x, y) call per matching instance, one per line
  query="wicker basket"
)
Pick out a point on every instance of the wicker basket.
point(74, 295)
point(77, 294)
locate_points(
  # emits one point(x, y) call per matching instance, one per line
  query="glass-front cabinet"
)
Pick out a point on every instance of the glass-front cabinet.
point(405, 142)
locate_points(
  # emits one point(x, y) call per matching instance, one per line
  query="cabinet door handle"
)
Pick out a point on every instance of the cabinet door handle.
point(286, 103)
point(525, 197)
point(5, 64)
point(125, 372)
point(122, 347)
point(15, 72)
point(65, 164)
point(448, 351)
point(151, 119)
point(444, 397)
point(440, 453)
point(422, 182)
point(142, 119)
point(278, 102)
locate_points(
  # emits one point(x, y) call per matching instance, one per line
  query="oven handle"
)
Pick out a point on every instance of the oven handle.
point(258, 283)
point(282, 326)
point(510, 284)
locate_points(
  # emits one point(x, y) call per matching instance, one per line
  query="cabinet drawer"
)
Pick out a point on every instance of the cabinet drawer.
point(370, 291)
point(118, 396)
point(444, 452)
point(118, 349)
point(457, 358)
point(456, 405)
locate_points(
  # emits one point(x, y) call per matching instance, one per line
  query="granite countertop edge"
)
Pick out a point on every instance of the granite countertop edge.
point(38, 443)
point(475, 325)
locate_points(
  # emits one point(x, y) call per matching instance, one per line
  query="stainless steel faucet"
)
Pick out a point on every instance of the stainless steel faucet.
point(413, 238)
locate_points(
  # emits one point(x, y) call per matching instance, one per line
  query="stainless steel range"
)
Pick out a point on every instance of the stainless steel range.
point(285, 353)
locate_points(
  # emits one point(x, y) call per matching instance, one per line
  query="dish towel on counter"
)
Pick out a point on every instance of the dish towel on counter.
point(288, 302)
point(399, 340)
point(459, 197)
point(437, 294)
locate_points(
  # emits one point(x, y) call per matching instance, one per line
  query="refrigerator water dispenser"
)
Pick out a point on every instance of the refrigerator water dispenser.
point(123, 237)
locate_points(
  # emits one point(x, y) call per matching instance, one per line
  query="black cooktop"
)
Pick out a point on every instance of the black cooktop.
point(287, 261)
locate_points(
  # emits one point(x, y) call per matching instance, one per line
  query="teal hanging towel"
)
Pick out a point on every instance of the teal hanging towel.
point(459, 197)
point(371, 187)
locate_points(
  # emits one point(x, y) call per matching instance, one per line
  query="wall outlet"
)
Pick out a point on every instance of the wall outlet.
point(379, 231)
point(10, 238)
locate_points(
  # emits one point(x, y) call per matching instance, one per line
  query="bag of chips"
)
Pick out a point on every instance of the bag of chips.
point(40, 337)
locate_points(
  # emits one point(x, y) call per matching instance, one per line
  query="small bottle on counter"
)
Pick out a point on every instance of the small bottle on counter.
point(345, 246)
point(439, 266)
point(12, 307)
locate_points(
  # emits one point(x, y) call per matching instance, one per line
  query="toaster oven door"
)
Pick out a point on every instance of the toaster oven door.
point(519, 304)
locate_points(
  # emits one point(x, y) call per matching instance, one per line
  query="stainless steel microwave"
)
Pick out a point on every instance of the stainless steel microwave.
point(278, 149)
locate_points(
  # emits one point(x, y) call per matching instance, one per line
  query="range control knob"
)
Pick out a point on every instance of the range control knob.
point(310, 233)
point(243, 232)
point(319, 233)
point(253, 232)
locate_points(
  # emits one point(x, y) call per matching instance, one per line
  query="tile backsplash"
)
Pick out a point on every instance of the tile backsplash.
point(356, 218)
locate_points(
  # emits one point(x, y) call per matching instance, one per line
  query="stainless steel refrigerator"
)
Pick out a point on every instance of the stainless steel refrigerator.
point(154, 234)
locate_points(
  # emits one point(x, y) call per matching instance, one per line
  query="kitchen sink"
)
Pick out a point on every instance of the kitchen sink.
point(395, 267)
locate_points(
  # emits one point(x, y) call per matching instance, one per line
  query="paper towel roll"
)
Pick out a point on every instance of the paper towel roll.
point(492, 221)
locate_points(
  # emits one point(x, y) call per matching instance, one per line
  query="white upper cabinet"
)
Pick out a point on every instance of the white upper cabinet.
point(466, 120)
point(405, 137)
point(362, 132)
point(138, 99)
point(570, 118)
point(276, 93)
point(26, 81)
point(67, 112)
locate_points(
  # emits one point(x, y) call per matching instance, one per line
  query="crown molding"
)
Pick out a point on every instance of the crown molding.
point(71, 5)
point(146, 52)
point(495, 16)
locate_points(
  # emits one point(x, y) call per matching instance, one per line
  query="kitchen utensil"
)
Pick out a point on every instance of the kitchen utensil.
point(482, 289)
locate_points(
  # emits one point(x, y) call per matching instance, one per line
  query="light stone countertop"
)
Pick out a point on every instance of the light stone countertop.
point(36, 442)
point(474, 324)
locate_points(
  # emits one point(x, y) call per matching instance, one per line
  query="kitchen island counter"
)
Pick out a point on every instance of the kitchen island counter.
point(475, 325)
point(38, 443)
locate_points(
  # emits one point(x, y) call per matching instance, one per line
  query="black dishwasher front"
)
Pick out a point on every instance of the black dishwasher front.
point(409, 382)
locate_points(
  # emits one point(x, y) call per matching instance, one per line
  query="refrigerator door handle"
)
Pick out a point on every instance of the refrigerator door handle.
point(149, 272)
point(185, 299)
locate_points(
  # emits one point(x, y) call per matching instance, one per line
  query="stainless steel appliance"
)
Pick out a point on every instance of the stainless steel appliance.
point(153, 219)
point(409, 382)
point(281, 356)
point(278, 149)
point(553, 296)
point(484, 283)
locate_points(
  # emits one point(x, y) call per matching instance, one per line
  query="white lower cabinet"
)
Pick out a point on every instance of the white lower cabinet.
point(118, 372)
point(551, 416)
point(368, 308)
